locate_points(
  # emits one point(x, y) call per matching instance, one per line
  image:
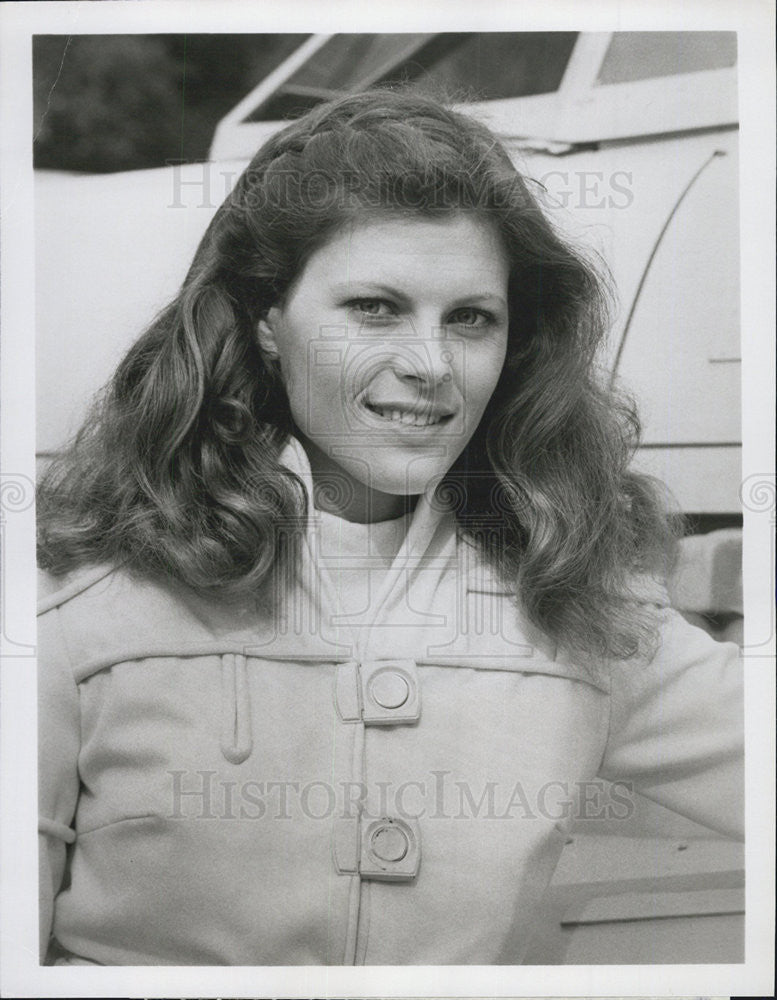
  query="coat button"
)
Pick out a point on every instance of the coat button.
point(389, 692)
point(389, 843)
point(390, 849)
point(389, 689)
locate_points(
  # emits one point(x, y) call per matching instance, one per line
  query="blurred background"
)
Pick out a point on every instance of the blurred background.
point(630, 140)
point(104, 103)
point(107, 103)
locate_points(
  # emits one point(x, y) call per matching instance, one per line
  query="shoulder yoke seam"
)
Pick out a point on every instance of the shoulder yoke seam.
point(82, 582)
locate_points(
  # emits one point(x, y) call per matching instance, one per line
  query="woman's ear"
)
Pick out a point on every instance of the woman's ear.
point(266, 333)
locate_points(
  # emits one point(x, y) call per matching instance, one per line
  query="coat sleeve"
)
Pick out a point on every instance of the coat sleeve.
point(58, 781)
point(677, 727)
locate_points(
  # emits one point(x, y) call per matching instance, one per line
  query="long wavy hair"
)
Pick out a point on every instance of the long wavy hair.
point(176, 471)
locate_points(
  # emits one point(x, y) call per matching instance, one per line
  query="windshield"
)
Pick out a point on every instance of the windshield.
point(451, 66)
point(644, 55)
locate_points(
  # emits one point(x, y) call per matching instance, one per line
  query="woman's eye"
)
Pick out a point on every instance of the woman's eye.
point(469, 317)
point(371, 307)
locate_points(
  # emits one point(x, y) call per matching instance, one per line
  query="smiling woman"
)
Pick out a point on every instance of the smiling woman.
point(419, 363)
point(355, 516)
point(214, 406)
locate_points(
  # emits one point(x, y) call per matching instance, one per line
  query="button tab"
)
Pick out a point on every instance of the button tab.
point(391, 692)
point(391, 849)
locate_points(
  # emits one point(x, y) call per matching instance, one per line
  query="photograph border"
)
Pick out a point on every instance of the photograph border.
point(20, 973)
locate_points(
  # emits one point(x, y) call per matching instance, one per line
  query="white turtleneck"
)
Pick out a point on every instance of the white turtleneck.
point(357, 558)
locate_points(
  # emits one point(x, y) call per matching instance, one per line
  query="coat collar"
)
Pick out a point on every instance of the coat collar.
point(440, 603)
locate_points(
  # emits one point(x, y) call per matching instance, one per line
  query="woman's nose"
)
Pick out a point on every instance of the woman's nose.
point(427, 363)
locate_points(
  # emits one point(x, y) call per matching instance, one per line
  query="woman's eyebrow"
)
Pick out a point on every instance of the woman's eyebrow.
point(479, 298)
point(358, 285)
point(374, 287)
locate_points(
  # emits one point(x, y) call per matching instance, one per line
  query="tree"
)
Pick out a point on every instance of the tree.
point(120, 102)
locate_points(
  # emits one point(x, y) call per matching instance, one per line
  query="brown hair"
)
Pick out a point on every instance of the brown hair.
point(176, 471)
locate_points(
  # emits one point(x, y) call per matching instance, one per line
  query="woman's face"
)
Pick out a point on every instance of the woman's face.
point(391, 342)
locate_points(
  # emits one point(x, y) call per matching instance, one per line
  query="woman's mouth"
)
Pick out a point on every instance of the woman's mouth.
point(393, 413)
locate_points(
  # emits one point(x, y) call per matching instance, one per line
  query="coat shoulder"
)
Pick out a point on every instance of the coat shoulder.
point(105, 615)
point(54, 591)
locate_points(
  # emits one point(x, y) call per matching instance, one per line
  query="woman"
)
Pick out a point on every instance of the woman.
point(351, 591)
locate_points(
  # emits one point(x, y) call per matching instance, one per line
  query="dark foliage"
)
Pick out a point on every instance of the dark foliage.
point(123, 102)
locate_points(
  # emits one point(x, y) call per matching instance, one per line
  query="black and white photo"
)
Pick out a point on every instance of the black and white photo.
point(396, 496)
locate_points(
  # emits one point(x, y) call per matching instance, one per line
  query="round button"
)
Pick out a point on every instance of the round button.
point(389, 689)
point(389, 843)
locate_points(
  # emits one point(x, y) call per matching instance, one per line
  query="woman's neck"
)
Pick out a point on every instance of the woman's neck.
point(337, 492)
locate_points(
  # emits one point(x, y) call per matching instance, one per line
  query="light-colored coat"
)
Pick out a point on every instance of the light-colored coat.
point(250, 789)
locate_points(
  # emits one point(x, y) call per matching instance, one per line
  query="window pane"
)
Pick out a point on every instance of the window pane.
point(346, 61)
point(489, 66)
point(447, 65)
point(643, 55)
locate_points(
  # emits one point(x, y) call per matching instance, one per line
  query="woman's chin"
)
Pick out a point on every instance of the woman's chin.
point(414, 478)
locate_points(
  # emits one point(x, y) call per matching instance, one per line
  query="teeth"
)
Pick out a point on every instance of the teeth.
point(405, 417)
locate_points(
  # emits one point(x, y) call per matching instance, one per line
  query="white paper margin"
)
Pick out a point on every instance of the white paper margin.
point(19, 970)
